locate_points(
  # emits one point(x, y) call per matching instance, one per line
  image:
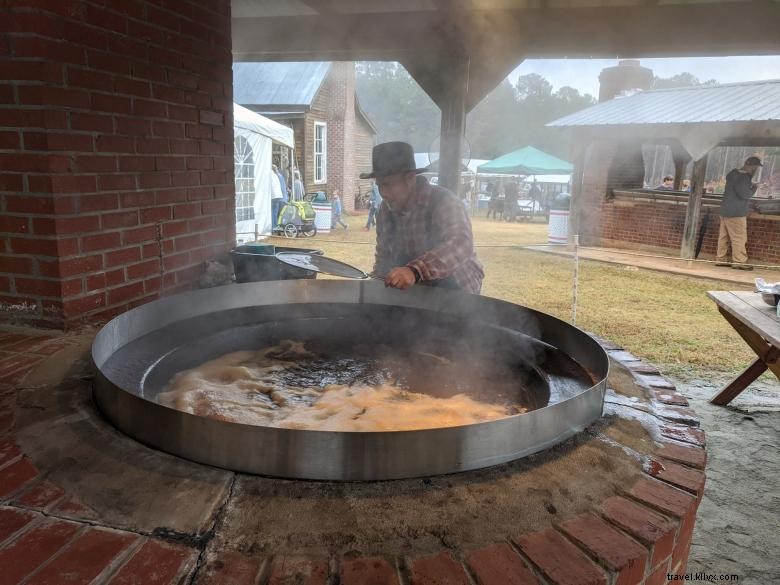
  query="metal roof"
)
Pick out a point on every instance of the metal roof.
point(735, 102)
point(282, 84)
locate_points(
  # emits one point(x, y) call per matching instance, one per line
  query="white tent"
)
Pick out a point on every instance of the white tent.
point(253, 142)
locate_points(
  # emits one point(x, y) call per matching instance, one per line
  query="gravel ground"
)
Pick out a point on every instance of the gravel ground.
point(738, 526)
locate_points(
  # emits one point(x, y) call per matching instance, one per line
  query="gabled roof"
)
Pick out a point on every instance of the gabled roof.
point(277, 84)
point(734, 102)
point(362, 114)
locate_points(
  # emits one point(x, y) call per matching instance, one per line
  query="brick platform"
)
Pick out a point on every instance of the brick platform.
point(635, 537)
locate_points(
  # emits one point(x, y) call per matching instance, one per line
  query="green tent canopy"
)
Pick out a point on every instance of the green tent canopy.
point(526, 161)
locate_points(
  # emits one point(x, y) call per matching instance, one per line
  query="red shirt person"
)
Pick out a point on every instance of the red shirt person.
point(423, 232)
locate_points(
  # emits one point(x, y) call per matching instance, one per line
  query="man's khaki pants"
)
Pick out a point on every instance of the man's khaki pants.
point(733, 230)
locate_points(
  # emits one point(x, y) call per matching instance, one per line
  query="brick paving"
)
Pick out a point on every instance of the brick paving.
point(47, 536)
point(38, 544)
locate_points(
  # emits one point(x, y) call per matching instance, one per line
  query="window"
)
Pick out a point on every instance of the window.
point(245, 179)
point(320, 152)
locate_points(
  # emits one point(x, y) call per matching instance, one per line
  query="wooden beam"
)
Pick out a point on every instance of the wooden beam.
point(453, 125)
point(679, 171)
point(693, 210)
point(426, 71)
point(484, 75)
point(681, 159)
point(337, 37)
point(322, 6)
point(553, 32)
point(740, 383)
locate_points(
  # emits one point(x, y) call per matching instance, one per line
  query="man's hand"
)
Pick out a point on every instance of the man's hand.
point(401, 277)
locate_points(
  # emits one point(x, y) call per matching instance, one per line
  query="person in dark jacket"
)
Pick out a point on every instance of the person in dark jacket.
point(733, 215)
point(374, 203)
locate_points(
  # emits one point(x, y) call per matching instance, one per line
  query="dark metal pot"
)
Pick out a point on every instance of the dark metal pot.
point(253, 263)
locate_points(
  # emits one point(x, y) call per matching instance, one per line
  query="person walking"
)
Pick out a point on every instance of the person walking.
point(733, 215)
point(337, 210)
point(374, 203)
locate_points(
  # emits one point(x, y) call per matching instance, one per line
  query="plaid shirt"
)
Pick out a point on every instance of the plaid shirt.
point(433, 236)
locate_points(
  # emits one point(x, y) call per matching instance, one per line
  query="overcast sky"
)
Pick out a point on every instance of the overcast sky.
point(583, 74)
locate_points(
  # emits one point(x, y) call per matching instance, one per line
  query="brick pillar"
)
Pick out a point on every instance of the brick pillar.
point(597, 160)
point(116, 153)
point(341, 134)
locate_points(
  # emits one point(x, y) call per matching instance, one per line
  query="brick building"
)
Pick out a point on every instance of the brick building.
point(333, 136)
point(614, 205)
point(116, 153)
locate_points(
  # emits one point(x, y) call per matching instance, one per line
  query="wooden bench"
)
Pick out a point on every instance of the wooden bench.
point(757, 323)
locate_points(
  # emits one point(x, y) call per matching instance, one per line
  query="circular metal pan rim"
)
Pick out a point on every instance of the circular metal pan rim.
point(345, 456)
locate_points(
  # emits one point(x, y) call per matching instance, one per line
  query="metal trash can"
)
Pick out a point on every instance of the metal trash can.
point(558, 228)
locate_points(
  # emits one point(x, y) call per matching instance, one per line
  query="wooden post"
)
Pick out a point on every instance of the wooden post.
point(679, 170)
point(453, 125)
point(575, 213)
point(693, 211)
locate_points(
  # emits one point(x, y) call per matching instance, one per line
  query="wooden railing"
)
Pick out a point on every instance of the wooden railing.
point(708, 199)
point(758, 206)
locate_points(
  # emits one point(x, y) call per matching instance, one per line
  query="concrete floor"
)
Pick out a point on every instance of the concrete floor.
point(738, 522)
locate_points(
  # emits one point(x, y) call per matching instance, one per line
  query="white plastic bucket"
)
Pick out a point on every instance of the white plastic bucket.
point(323, 218)
point(559, 227)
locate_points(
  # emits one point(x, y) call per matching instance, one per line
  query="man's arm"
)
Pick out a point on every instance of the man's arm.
point(744, 186)
point(457, 247)
point(383, 256)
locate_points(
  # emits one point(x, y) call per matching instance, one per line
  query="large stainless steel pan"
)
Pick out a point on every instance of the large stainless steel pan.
point(137, 352)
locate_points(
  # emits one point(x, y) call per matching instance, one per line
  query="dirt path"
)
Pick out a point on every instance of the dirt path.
point(738, 526)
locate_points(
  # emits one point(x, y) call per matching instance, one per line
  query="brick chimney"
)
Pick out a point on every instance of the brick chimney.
point(627, 75)
point(342, 172)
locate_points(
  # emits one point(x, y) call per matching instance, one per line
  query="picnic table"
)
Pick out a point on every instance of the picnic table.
point(757, 323)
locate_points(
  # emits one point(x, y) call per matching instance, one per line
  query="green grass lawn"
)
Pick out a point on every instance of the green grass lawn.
point(663, 318)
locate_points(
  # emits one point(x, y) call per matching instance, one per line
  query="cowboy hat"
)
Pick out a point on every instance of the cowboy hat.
point(392, 158)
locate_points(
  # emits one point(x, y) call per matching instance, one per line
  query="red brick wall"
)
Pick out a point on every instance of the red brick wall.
point(115, 153)
point(341, 133)
point(660, 224)
point(651, 223)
